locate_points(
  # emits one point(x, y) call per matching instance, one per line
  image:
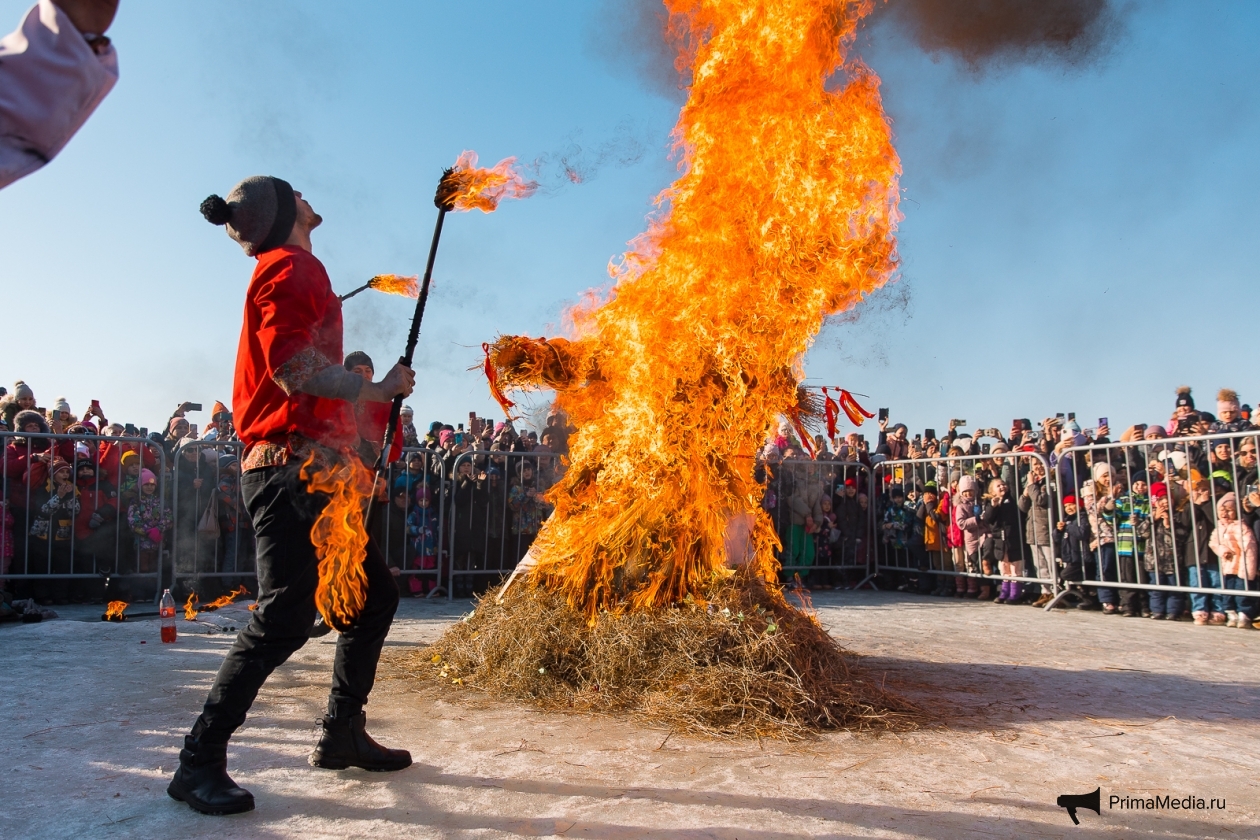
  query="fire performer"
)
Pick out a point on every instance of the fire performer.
point(293, 400)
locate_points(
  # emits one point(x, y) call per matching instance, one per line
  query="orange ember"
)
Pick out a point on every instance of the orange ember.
point(395, 284)
point(223, 600)
point(340, 537)
point(190, 607)
point(785, 213)
point(468, 188)
point(115, 611)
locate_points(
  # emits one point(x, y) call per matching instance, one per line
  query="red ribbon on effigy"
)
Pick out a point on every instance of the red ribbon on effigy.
point(492, 377)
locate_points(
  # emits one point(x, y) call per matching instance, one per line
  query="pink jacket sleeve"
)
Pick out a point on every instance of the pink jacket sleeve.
point(50, 83)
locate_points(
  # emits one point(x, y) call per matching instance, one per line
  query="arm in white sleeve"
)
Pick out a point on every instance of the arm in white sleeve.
point(51, 81)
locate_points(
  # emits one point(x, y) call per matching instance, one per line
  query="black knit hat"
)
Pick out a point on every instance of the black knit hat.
point(358, 357)
point(1184, 398)
point(259, 213)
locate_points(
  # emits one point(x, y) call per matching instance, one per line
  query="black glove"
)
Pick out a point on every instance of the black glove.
point(95, 521)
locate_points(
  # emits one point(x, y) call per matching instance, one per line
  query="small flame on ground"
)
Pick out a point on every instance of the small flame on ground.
point(466, 187)
point(190, 607)
point(340, 536)
point(224, 600)
point(396, 284)
point(115, 611)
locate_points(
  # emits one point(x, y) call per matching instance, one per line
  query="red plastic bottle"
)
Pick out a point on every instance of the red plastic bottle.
point(166, 609)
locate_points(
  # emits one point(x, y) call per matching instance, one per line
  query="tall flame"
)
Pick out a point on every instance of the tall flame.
point(190, 607)
point(340, 536)
point(785, 213)
point(395, 284)
point(466, 187)
point(115, 611)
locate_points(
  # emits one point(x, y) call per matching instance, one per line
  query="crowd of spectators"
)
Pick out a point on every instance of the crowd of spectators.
point(963, 514)
point(113, 501)
point(959, 515)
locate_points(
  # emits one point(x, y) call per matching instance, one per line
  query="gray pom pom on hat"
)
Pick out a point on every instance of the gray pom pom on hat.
point(259, 213)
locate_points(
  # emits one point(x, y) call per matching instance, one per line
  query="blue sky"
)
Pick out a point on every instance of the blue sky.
point(1074, 241)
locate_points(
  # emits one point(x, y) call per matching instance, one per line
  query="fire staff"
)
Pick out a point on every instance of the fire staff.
point(292, 399)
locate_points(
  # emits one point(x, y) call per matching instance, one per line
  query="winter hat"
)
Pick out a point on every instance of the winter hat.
point(1140, 476)
point(896, 490)
point(226, 461)
point(423, 493)
point(23, 417)
point(146, 476)
point(358, 357)
point(81, 452)
point(1184, 398)
point(58, 464)
point(1229, 500)
point(63, 404)
point(259, 213)
point(1099, 469)
point(966, 483)
point(89, 427)
point(175, 421)
point(1080, 440)
point(929, 487)
point(1069, 500)
point(1155, 433)
point(850, 482)
point(445, 435)
point(1159, 490)
point(1227, 400)
point(128, 458)
point(22, 391)
point(955, 475)
point(217, 409)
point(998, 448)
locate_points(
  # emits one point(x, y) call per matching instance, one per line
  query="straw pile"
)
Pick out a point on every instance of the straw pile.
point(744, 664)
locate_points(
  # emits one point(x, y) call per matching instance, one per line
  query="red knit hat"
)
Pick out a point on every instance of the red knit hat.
point(1159, 490)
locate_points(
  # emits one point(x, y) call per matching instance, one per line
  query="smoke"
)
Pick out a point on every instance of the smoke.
point(577, 162)
point(985, 35)
point(982, 35)
point(863, 335)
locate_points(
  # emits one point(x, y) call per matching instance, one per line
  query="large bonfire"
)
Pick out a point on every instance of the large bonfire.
point(655, 586)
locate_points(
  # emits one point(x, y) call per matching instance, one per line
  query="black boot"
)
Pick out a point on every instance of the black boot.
point(202, 781)
point(344, 743)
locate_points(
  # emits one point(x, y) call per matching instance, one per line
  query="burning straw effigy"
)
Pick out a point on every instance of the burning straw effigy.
point(653, 589)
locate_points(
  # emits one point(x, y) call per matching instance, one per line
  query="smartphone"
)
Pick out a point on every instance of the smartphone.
point(984, 448)
point(958, 424)
point(194, 407)
point(883, 414)
point(1089, 433)
point(129, 430)
point(144, 431)
point(1102, 421)
point(1059, 415)
point(1141, 428)
point(918, 439)
point(192, 429)
point(1071, 415)
point(96, 406)
point(1251, 488)
point(929, 434)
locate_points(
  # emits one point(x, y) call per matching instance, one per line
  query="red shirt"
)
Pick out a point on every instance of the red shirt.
point(292, 327)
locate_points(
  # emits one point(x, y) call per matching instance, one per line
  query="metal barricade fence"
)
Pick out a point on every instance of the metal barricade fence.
point(410, 528)
point(998, 550)
point(213, 546)
point(838, 545)
point(91, 536)
point(1126, 540)
point(496, 509)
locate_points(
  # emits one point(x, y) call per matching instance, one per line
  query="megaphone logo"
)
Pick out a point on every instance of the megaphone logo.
point(1072, 801)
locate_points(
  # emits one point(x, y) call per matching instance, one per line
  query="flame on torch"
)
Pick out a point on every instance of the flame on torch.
point(465, 187)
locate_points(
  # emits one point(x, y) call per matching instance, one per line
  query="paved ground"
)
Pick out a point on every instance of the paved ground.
point(1034, 704)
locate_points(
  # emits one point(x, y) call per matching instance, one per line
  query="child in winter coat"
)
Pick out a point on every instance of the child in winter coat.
point(1165, 534)
point(1001, 546)
point(55, 504)
point(1234, 543)
point(967, 517)
point(1096, 494)
point(1132, 509)
point(148, 519)
point(928, 520)
point(423, 527)
point(1073, 539)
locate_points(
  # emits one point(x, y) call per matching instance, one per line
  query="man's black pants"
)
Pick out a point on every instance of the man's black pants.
point(288, 572)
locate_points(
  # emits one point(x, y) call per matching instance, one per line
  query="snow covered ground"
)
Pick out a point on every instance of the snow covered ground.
point(1033, 706)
